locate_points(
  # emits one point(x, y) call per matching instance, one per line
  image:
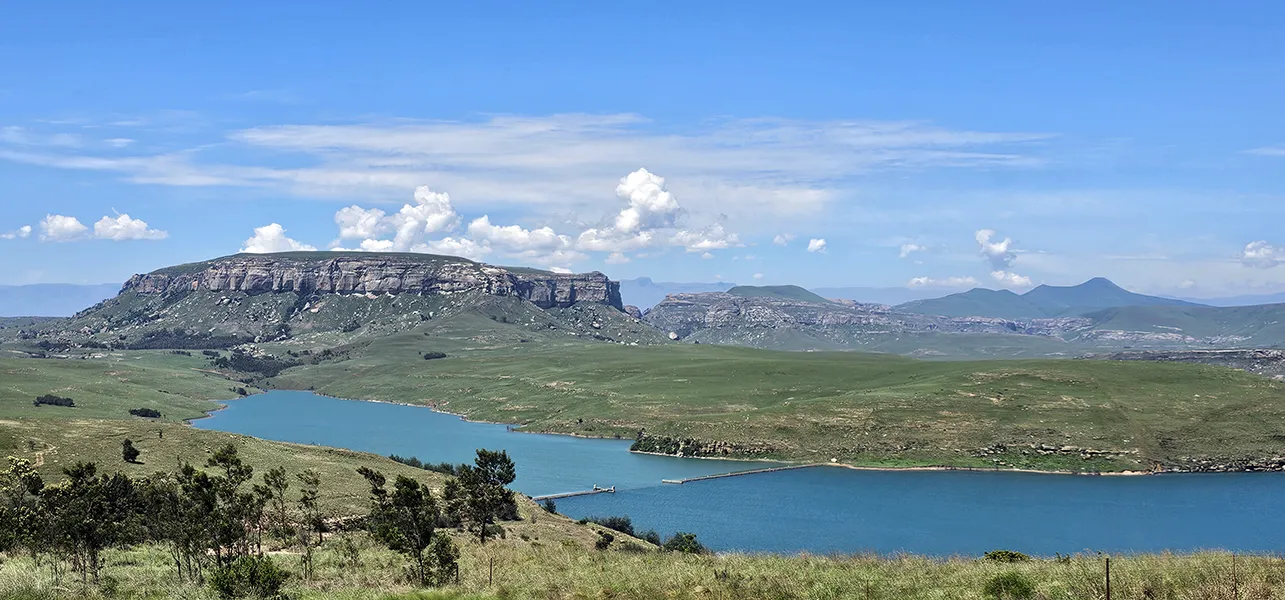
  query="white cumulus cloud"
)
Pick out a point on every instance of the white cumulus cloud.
point(651, 219)
point(61, 228)
point(908, 249)
point(946, 282)
point(816, 245)
point(357, 223)
point(758, 275)
point(999, 254)
point(431, 213)
point(19, 233)
point(454, 246)
point(1009, 279)
point(616, 258)
point(783, 239)
point(561, 270)
point(1261, 255)
point(714, 237)
point(650, 205)
point(122, 227)
point(272, 238)
point(535, 245)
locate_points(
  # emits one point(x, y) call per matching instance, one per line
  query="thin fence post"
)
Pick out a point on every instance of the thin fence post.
point(1108, 578)
point(1235, 581)
point(867, 589)
point(490, 575)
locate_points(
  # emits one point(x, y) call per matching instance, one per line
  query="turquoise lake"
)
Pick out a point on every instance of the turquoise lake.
point(817, 510)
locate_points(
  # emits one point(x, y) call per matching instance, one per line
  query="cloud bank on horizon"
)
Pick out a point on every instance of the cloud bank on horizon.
point(728, 212)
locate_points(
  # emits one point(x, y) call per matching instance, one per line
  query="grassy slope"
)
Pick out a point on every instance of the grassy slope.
point(977, 302)
point(1095, 293)
point(104, 389)
point(859, 408)
point(551, 569)
point(783, 292)
point(1264, 323)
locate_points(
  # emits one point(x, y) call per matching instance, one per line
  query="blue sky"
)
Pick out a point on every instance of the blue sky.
point(931, 144)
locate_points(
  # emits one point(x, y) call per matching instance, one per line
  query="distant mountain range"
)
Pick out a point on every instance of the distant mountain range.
point(1045, 301)
point(1243, 300)
point(872, 295)
point(345, 297)
point(645, 293)
point(52, 299)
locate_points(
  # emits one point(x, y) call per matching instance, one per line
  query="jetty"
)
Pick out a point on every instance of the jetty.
point(595, 490)
point(750, 472)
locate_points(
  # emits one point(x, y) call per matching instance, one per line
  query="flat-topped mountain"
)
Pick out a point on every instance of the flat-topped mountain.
point(1041, 302)
point(328, 298)
point(645, 293)
point(779, 292)
point(382, 273)
point(781, 318)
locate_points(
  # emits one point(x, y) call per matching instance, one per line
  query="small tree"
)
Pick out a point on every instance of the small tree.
point(275, 485)
point(685, 543)
point(405, 520)
point(88, 514)
point(313, 520)
point(128, 451)
point(485, 496)
point(20, 487)
point(232, 511)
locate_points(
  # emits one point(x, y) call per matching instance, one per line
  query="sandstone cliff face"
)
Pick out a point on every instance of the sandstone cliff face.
point(688, 313)
point(379, 274)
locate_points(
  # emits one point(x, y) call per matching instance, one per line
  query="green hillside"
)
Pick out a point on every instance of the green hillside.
point(977, 302)
point(1258, 325)
point(781, 292)
point(1095, 293)
point(1044, 301)
point(857, 408)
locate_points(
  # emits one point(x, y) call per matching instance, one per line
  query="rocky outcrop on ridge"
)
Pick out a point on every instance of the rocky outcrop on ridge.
point(686, 314)
point(369, 273)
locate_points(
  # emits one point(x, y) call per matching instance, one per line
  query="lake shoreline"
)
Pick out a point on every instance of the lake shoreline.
point(516, 428)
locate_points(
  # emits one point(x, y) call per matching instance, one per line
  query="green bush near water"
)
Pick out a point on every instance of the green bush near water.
point(1009, 586)
point(249, 577)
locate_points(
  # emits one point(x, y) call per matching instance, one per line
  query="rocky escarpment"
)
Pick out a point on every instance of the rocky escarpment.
point(686, 314)
point(369, 273)
point(1263, 361)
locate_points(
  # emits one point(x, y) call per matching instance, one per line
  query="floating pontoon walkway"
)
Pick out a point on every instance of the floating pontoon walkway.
point(595, 490)
point(751, 472)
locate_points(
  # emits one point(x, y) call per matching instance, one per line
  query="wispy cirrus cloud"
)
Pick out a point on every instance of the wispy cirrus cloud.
point(746, 168)
point(1267, 151)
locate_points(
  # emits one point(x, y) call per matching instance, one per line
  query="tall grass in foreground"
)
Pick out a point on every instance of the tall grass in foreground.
point(570, 570)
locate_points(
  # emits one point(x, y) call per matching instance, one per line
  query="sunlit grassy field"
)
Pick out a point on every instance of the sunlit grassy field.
point(860, 408)
point(549, 569)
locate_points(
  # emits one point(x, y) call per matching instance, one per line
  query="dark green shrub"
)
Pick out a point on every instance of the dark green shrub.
point(1006, 556)
point(622, 524)
point(550, 506)
point(249, 577)
point(651, 536)
point(128, 451)
point(147, 413)
point(685, 543)
point(433, 355)
point(631, 547)
point(53, 400)
point(1009, 586)
point(604, 540)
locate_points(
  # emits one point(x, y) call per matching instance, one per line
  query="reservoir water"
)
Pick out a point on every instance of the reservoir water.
point(816, 510)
